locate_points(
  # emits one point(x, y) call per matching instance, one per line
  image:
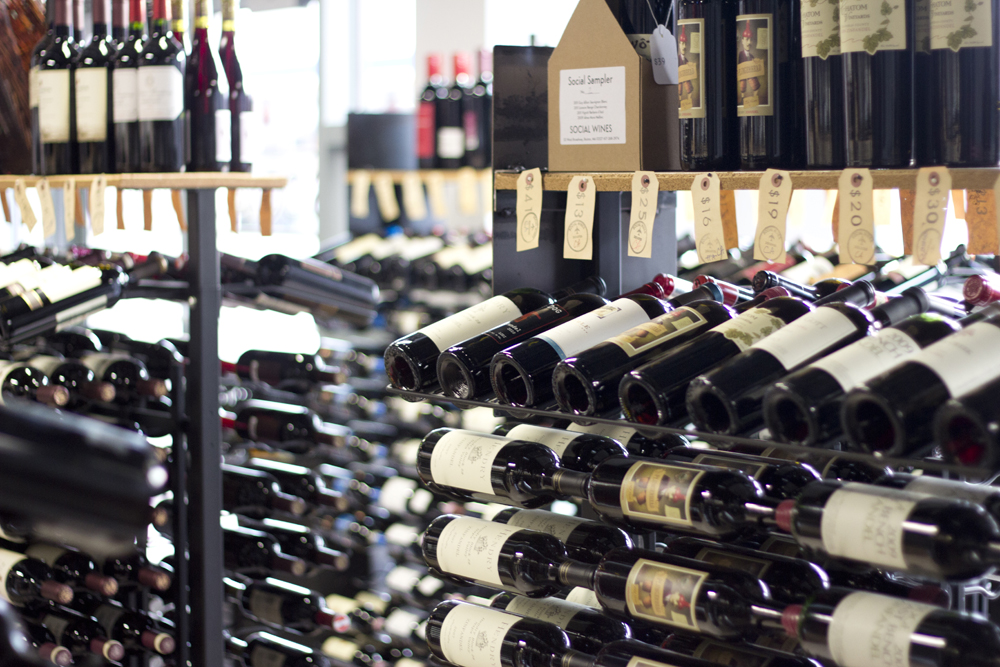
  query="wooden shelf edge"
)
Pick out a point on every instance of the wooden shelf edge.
point(172, 181)
point(398, 174)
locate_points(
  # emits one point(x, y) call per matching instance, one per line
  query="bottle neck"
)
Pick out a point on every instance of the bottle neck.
point(573, 659)
point(574, 573)
point(570, 483)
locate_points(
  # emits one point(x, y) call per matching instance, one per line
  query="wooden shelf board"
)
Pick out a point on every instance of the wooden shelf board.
point(173, 181)
point(397, 175)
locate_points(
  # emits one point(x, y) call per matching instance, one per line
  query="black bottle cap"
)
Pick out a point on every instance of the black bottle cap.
point(860, 293)
point(911, 302)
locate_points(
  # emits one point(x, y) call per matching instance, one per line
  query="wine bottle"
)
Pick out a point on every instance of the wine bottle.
point(93, 95)
point(588, 629)
point(286, 368)
point(245, 490)
point(892, 529)
point(160, 91)
point(52, 64)
point(764, 280)
point(125, 87)
point(279, 422)
point(985, 495)
point(804, 406)
point(407, 629)
point(427, 114)
point(637, 444)
point(27, 580)
point(300, 541)
point(241, 117)
point(79, 381)
point(731, 653)
point(82, 635)
point(403, 497)
point(470, 107)
point(206, 94)
point(463, 369)
point(41, 639)
point(127, 375)
point(136, 569)
point(19, 380)
point(732, 294)
point(73, 568)
point(283, 605)
point(967, 429)
point(303, 482)
point(247, 549)
point(133, 628)
point(981, 290)
point(315, 284)
point(780, 479)
point(822, 85)
point(586, 541)
point(576, 451)
point(449, 126)
point(479, 153)
point(264, 648)
point(73, 342)
point(178, 23)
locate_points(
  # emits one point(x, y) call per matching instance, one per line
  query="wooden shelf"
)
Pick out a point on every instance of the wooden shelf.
point(171, 181)
point(962, 179)
point(398, 175)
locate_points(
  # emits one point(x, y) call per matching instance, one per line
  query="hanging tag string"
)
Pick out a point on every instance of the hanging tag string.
point(670, 12)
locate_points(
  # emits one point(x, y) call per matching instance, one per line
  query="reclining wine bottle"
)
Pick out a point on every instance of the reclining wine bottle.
point(968, 428)
point(643, 445)
point(576, 451)
point(588, 629)
point(586, 541)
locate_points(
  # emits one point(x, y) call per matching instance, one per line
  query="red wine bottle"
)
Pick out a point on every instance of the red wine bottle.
point(23, 381)
point(732, 294)
point(427, 114)
point(79, 381)
point(471, 108)
point(280, 422)
point(637, 444)
point(450, 128)
point(74, 568)
point(303, 482)
point(588, 629)
point(763, 280)
point(125, 87)
point(278, 368)
point(245, 490)
point(312, 282)
point(254, 550)
point(823, 85)
point(136, 569)
point(82, 635)
point(240, 116)
point(42, 640)
point(300, 541)
point(54, 124)
point(25, 580)
point(985, 495)
point(283, 605)
point(586, 541)
point(264, 648)
point(968, 428)
point(206, 94)
point(730, 653)
point(779, 478)
point(93, 96)
point(127, 375)
point(981, 290)
point(479, 153)
point(576, 451)
point(161, 96)
point(137, 632)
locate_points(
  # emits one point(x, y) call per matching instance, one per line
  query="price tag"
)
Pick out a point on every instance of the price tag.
point(435, 194)
point(21, 199)
point(385, 195)
point(645, 193)
point(663, 53)
point(708, 232)
point(774, 195)
point(981, 217)
point(48, 208)
point(529, 208)
point(929, 209)
point(175, 199)
point(69, 201)
point(147, 210)
point(577, 239)
point(413, 196)
point(856, 236)
point(906, 201)
point(958, 203)
point(6, 206)
point(119, 208)
point(96, 204)
point(468, 195)
point(831, 211)
point(361, 183)
point(265, 212)
point(727, 208)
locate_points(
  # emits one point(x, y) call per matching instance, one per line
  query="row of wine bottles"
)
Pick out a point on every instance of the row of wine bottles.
point(455, 123)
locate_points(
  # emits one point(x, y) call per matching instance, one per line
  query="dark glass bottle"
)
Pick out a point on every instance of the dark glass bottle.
point(241, 116)
point(779, 478)
point(135, 569)
point(43, 46)
point(586, 541)
point(478, 154)
point(40, 638)
point(23, 381)
point(125, 88)
point(135, 629)
point(588, 629)
point(764, 280)
point(303, 482)
point(25, 580)
point(822, 84)
point(79, 381)
point(74, 568)
point(576, 451)
point(283, 605)
point(285, 368)
point(245, 490)
point(161, 97)
point(247, 549)
point(263, 648)
point(206, 95)
point(93, 95)
point(986, 496)
point(54, 125)
point(300, 541)
point(280, 422)
point(128, 376)
point(638, 19)
point(968, 429)
point(82, 635)
point(427, 114)
point(637, 444)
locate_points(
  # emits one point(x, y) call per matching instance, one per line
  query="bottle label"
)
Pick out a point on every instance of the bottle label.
point(663, 593)
point(53, 105)
point(464, 460)
point(922, 26)
point(943, 488)
point(402, 578)
point(125, 95)
point(341, 605)
point(868, 357)
point(401, 623)
point(33, 87)
point(160, 90)
point(781, 546)
point(470, 548)
point(594, 327)
point(620, 433)
point(551, 610)
point(869, 630)
point(820, 23)
point(755, 566)
point(425, 131)
point(4, 534)
point(807, 336)
point(91, 104)
point(530, 323)
point(750, 327)
point(450, 143)
point(395, 494)
point(46, 553)
point(727, 654)
point(958, 358)
point(472, 321)
point(261, 656)
point(691, 68)
point(749, 467)
point(872, 25)
point(335, 647)
point(473, 635)
point(659, 492)
point(402, 535)
point(865, 523)
point(99, 362)
point(549, 523)
point(266, 606)
point(584, 596)
point(8, 560)
point(642, 44)
point(107, 615)
point(658, 330)
point(555, 439)
point(646, 662)
point(754, 55)
point(223, 135)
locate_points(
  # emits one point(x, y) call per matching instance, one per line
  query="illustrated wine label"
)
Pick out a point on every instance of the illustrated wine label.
point(663, 593)
point(555, 439)
point(960, 24)
point(728, 654)
point(266, 606)
point(659, 492)
point(160, 92)
point(464, 459)
point(750, 327)
point(473, 635)
point(549, 523)
point(807, 336)
point(755, 566)
point(868, 357)
point(401, 623)
point(620, 433)
point(658, 330)
point(869, 630)
point(922, 26)
point(8, 560)
point(872, 25)
point(91, 104)
point(691, 68)
point(865, 523)
point(820, 24)
point(529, 323)
point(594, 327)
point(958, 359)
point(471, 321)
point(935, 486)
point(754, 65)
point(749, 467)
point(53, 105)
point(395, 494)
point(470, 548)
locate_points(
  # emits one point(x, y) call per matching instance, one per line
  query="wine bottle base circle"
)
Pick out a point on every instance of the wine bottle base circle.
point(789, 418)
point(402, 373)
point(573, 392)
point(871, 425)
point(511, 384)
point(963, 437)
point(639, 404)
point(711, 411)
point(454, 378)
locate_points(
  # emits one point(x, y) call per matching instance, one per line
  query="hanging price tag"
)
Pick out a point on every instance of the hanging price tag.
point(385, 195)
point(361, 183)
point(147, 210)
point(265, 212)
point(413, 196)
point(468, 195)
point(21, 199)
point(6, 206)
point(578, 235)
point(929, 209)
point(175, 199)
point(48, 208)
point(981, 217)
point(529, 208)
point(119, 208)
point(96, 204)
point(774, 194)
point(663, 53)
point(645, 193)
point(708, 232)
point(69, 201)
point(958, 203)
point(906, 201)
point(435, 194)
point(856, 236)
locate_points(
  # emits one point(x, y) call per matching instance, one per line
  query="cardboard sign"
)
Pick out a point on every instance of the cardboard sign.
point(413, 196)
point(21, 199)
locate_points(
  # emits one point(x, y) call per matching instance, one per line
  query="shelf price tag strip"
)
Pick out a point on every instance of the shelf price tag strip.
point(529, 208)
point(774, 195)
point(856, 237)
point(929, 209)
point(645, 193)
point(579, 232)
point(709, 235)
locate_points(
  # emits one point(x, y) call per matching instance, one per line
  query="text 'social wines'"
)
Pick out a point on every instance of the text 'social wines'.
point(823, 85)
point(576, 451)
point(161, 97)
point(92, 89)
point(586, 541)
point(587, 628)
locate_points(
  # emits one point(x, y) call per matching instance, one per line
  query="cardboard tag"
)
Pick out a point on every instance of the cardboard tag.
point(645, 193)
point(774, 194)
point(21, 199)
point(234, 220)
point(529, 208)
point(265, 212)
point(981, 217)
point(385, 195)
point(69, 201)
point(175, 199)
point(727, 208)
point(856, 236)
point(147, 210)
point(578, 237)
point(48, 208)
point(413, 196)
point(6, 206)
point(906, 201)
point(435, 194)
point(119, 208)
point(930, 207)
point(708, 232)
point(958, 204)
point(831, 212)
point(468, 195)
point(361, 183)
point(663, 54)
point(96, 204)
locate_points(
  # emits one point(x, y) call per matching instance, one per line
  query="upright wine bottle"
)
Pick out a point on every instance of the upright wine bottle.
point(449, 125)
point(241, 117)
point(206, 93)
point(178, 23)
point(586, 541)
point(638, 19)
point(161, 97)
point(427, 114)
point(588, 629)
point(823, 84)
point(94, 96)
point(479, 153)
point(125, 87)
point(576, 451)
point(968, 429)
point(52, 65)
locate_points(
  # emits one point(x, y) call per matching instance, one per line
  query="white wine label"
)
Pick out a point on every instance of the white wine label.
point(868, 357)
point(261, 656)
point(550, 610)
point(395, 494)
point(658, 330)
point(807, 336)
point(952, 489)
point(750, 327)
point(749, 467)
point(450, 143)
point(402, 578)
point(429, 586)
point(555, 439)
point(266, 606)
point(409, 662)
point(125, 95)
point(341, 605)
point(959, 24)
point(91, 104)
point(592, 106)
point(869, 630)
point(958, 359)
point(922, 26)
point(47, 553)
point(53, 105)
point(471, 322)
point(372, 601)
point(620, 433)
point(664, 593)
point(820, 28)
point(160, 91)
point(659, 492)
point(691, 68)
point(251, 129)
point(865, 523)
point(550, 523)
point(80, 280)
point(339, 648)
point(754, 65)
point(401, 623)
point(223, 135)
point(594, 327)
point(872, 25)
point(464, 460)
point(470, 548)
point(33, 87)
point(584, 596)
point(8, 560)
point(473, 635)
point(402, 535)
point(755, 566)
